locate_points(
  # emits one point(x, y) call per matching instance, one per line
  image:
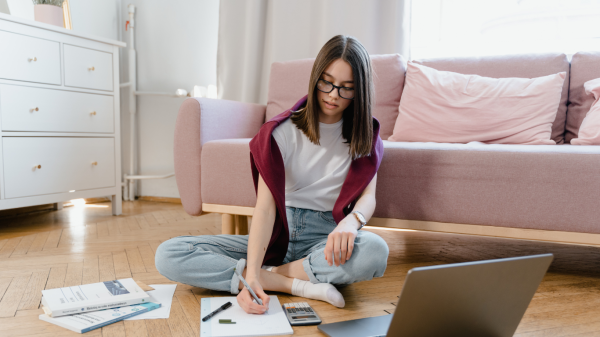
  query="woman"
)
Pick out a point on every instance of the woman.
point(315, 190)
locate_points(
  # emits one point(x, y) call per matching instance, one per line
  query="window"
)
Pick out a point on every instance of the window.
point(447, 28)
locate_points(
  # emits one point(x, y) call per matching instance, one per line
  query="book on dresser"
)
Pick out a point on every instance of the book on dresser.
point(92, 297)
point(60, 135)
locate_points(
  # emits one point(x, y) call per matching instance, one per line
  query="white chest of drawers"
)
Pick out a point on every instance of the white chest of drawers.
point(59, 115)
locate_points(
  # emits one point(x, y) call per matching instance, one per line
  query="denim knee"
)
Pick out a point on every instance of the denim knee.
point(375, 252)
point(166, 255)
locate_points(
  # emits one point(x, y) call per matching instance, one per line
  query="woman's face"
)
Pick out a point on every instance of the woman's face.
point(331, 105)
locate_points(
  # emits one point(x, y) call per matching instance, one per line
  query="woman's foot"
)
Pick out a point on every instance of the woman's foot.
point(320, 291)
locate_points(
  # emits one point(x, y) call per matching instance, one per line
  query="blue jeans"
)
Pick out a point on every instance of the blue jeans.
point(208, 261)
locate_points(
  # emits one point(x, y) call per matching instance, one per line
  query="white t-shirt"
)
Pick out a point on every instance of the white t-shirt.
point(314, 174)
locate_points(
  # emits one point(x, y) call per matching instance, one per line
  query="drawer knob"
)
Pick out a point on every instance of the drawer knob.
point(93, 113)
point(37, 167)
point(34, 109)
point(91, 69)
point(32, 59)
point(95, 163)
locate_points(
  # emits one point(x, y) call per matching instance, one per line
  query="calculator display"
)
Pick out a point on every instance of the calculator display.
point(301, 317)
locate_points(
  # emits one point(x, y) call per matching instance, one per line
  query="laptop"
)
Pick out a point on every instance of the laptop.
point(483, 298)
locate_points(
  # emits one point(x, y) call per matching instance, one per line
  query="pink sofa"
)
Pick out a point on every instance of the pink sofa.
point(548, 192)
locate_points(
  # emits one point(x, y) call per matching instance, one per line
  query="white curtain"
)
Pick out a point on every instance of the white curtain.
point(255, 33)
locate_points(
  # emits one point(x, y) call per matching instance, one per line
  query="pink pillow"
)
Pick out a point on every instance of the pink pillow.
point(589, 131)
point(447, 107)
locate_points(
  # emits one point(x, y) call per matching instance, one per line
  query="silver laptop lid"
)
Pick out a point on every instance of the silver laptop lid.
point(484, 298)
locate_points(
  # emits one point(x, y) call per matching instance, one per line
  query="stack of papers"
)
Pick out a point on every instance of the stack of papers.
point(91, 306)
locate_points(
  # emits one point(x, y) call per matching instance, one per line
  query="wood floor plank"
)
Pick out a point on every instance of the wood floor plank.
point(123, 226)
point(12, 297)
point(136, 328)
point(158, 328)
point(133, 224)
point(38, 242)
point(33, 293)
point(180, 327)
point(106, 267)
point(154, 244)
point(56, 279)
point(114, 330)
point(91, 230)
point(53, 239)
point(136, 264)
point(4, 283)
point(121, 265)
point(3, 242)
point(191, 309)
point(142, 222)
point(24, 245)
point(9, 247)
point(91, 271)
point(147, 255)
point(113, 228)
point(74, 274)
point(102, 229)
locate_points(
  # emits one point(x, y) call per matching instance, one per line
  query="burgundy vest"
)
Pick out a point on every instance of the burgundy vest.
point(267, 161)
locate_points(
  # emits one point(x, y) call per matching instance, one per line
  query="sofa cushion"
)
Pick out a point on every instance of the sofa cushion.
point(289, 82)
point(527, 66)
point(585, 66)
point(496, 185)
point(448, 107)
point(589, 131)
point(523, 186)
point(226, 174)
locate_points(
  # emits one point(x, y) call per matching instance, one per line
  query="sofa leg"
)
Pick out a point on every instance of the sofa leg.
point(228, 224)
point(241, 225)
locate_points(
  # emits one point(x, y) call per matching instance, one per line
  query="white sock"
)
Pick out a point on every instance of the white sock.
point(267, 268)
point(320, 291)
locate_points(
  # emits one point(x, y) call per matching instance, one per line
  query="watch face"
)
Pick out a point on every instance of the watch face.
point(361, 218)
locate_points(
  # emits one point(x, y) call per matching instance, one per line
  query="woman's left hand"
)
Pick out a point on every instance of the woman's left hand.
point(340, 242)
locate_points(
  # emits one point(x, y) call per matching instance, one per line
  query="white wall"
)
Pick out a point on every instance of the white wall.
point(96, 17)
point(176, 44)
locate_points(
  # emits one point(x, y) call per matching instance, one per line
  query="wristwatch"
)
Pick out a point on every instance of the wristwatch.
point(360, 218)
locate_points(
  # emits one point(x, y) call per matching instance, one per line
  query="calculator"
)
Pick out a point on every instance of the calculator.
point(301, 313)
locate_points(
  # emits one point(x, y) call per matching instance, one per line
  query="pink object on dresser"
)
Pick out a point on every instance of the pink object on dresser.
point(589, 132)
point(448, 107)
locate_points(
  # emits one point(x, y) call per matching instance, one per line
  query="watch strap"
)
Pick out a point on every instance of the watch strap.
point(362, 223)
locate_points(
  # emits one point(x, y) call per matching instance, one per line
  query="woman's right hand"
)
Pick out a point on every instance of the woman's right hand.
point(246, 301)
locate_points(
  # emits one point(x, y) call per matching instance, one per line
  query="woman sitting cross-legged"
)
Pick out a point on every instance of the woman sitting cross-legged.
point(315, 171)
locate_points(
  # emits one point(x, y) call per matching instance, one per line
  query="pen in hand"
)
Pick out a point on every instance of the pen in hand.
point(258, 300)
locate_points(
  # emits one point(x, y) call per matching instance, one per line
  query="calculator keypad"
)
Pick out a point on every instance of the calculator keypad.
point(300, 313)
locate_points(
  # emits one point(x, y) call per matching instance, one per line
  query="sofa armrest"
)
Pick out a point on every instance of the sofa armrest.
point(201, 120)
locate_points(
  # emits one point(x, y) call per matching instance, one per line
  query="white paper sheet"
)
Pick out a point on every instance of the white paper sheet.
point(273, 322)
point(163, 294)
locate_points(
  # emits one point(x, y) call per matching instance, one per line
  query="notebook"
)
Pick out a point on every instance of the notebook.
point(273, 322)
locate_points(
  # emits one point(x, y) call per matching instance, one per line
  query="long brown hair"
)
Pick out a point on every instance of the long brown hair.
point(357, 125)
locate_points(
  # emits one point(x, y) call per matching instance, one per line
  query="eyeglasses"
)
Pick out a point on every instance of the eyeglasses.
point(327, 87)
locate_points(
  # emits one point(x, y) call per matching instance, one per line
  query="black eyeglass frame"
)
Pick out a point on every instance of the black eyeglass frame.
point(333, 86)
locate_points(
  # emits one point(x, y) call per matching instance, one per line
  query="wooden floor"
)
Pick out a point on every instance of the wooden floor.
point(78, 245)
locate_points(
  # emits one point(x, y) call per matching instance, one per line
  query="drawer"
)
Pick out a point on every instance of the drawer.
point(25, 58)
point(65, 164)
point(36, 109)
point(87, 68)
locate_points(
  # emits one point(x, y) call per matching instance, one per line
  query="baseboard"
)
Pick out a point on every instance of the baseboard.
point(504, 232)
point(160, 199)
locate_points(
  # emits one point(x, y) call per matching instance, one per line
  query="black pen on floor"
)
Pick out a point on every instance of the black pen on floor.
point(223, 307)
